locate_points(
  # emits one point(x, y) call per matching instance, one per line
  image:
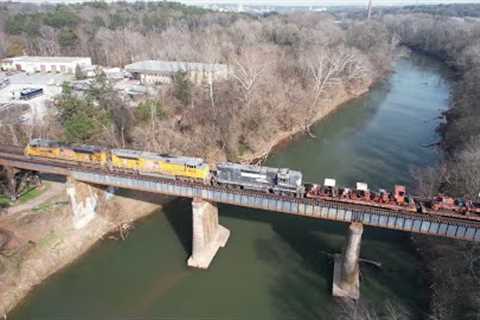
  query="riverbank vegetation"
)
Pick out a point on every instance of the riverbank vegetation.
point(452, 265)
point(286, 71)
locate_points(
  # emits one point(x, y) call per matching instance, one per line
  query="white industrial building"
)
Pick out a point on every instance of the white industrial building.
point(32, 64)
point(154, 71)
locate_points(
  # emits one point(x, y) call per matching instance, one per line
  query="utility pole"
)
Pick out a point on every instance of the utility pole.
point(369, 9)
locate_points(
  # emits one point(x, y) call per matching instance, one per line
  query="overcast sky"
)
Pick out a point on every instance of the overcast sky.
point(293, 2)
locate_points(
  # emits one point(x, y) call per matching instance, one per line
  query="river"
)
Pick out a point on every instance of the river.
point(274, 266)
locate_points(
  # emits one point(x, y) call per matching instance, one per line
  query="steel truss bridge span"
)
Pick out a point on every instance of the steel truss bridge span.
point(312, 208)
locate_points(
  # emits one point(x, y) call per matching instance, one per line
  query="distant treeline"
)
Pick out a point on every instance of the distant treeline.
point(448, 10)
point(71, 29)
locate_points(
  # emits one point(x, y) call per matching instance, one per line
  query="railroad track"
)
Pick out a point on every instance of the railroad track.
point(9, 149)
point(18, 156)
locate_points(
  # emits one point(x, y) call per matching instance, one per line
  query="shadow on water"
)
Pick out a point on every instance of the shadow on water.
point(300, 254)
point(179, 214)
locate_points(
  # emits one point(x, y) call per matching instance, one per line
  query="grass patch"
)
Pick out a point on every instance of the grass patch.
point(32, 193)
point(48, 240)
point(243, 148)
point(44, 207)
point(5, 201)
point(26, 196)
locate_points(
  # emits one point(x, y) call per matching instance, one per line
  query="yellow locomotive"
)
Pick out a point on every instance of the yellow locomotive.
point(123, 159)
point(153, 163)
point(42, 148)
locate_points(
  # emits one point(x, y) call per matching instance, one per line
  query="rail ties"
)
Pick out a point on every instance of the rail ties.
point(5, 148)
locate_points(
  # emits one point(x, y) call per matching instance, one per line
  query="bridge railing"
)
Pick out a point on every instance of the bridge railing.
point(417, 223)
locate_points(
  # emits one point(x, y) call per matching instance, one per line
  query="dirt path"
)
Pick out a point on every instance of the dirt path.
point(53, 189)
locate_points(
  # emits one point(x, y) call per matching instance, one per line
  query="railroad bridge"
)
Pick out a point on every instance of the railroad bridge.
point(209, 235)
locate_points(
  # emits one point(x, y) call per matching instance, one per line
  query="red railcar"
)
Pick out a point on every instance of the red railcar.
point(398, 200)
point(361, 195)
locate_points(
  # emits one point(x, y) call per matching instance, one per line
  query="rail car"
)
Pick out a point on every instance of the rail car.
point(266, 179)
point(55, 150)
point(399, 200)
point(361, 195)
point(162, 165)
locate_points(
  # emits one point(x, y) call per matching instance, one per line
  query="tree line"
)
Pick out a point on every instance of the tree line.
point(458, 10)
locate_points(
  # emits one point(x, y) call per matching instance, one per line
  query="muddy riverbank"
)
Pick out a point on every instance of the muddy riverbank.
point(42, 239)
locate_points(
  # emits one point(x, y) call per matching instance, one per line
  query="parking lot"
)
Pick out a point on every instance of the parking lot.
point(50, 83)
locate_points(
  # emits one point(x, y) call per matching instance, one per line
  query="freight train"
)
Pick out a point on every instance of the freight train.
point(230, 175)
point(278, 181)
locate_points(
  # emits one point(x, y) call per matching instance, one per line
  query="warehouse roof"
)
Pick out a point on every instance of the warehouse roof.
point(39, 59)
point(157, 66)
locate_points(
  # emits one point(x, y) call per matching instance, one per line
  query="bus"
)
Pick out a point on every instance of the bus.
point(30, 93)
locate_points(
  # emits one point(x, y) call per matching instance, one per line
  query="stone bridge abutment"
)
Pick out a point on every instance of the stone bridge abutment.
point(84, 201)
point(208, 235)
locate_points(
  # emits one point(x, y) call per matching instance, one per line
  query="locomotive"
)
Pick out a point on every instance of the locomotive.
point(266, 179)
point(231, 175)
point(279, 181)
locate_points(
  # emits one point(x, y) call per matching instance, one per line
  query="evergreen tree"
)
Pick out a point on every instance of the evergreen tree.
point(79, 75)
point(183, 88)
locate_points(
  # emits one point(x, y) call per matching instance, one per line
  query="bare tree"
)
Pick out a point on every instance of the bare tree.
point(326, 68)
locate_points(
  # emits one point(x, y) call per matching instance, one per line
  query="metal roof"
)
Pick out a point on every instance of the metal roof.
point(127, 153)
point(88, 149)
point(157, 66)
point(44, 143)
point(258, 169)
point(197, 162)
point(40, 59)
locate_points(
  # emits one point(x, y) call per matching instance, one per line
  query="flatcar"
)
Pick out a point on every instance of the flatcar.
point(55, 150)
point(266, 179)
point(362, 195)
point(162, 165)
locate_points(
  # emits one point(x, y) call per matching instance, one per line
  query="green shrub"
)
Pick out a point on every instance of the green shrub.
point(183, 88)
point(67, 38)
point(61, 18)
point(149, 108)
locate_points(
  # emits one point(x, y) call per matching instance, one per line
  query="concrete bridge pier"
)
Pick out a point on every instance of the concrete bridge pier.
point(11, 176)
point(346, 273)
point(208, 235)
point(84, 200)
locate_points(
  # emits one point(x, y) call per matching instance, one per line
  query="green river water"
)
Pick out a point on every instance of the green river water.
point(273, 266)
